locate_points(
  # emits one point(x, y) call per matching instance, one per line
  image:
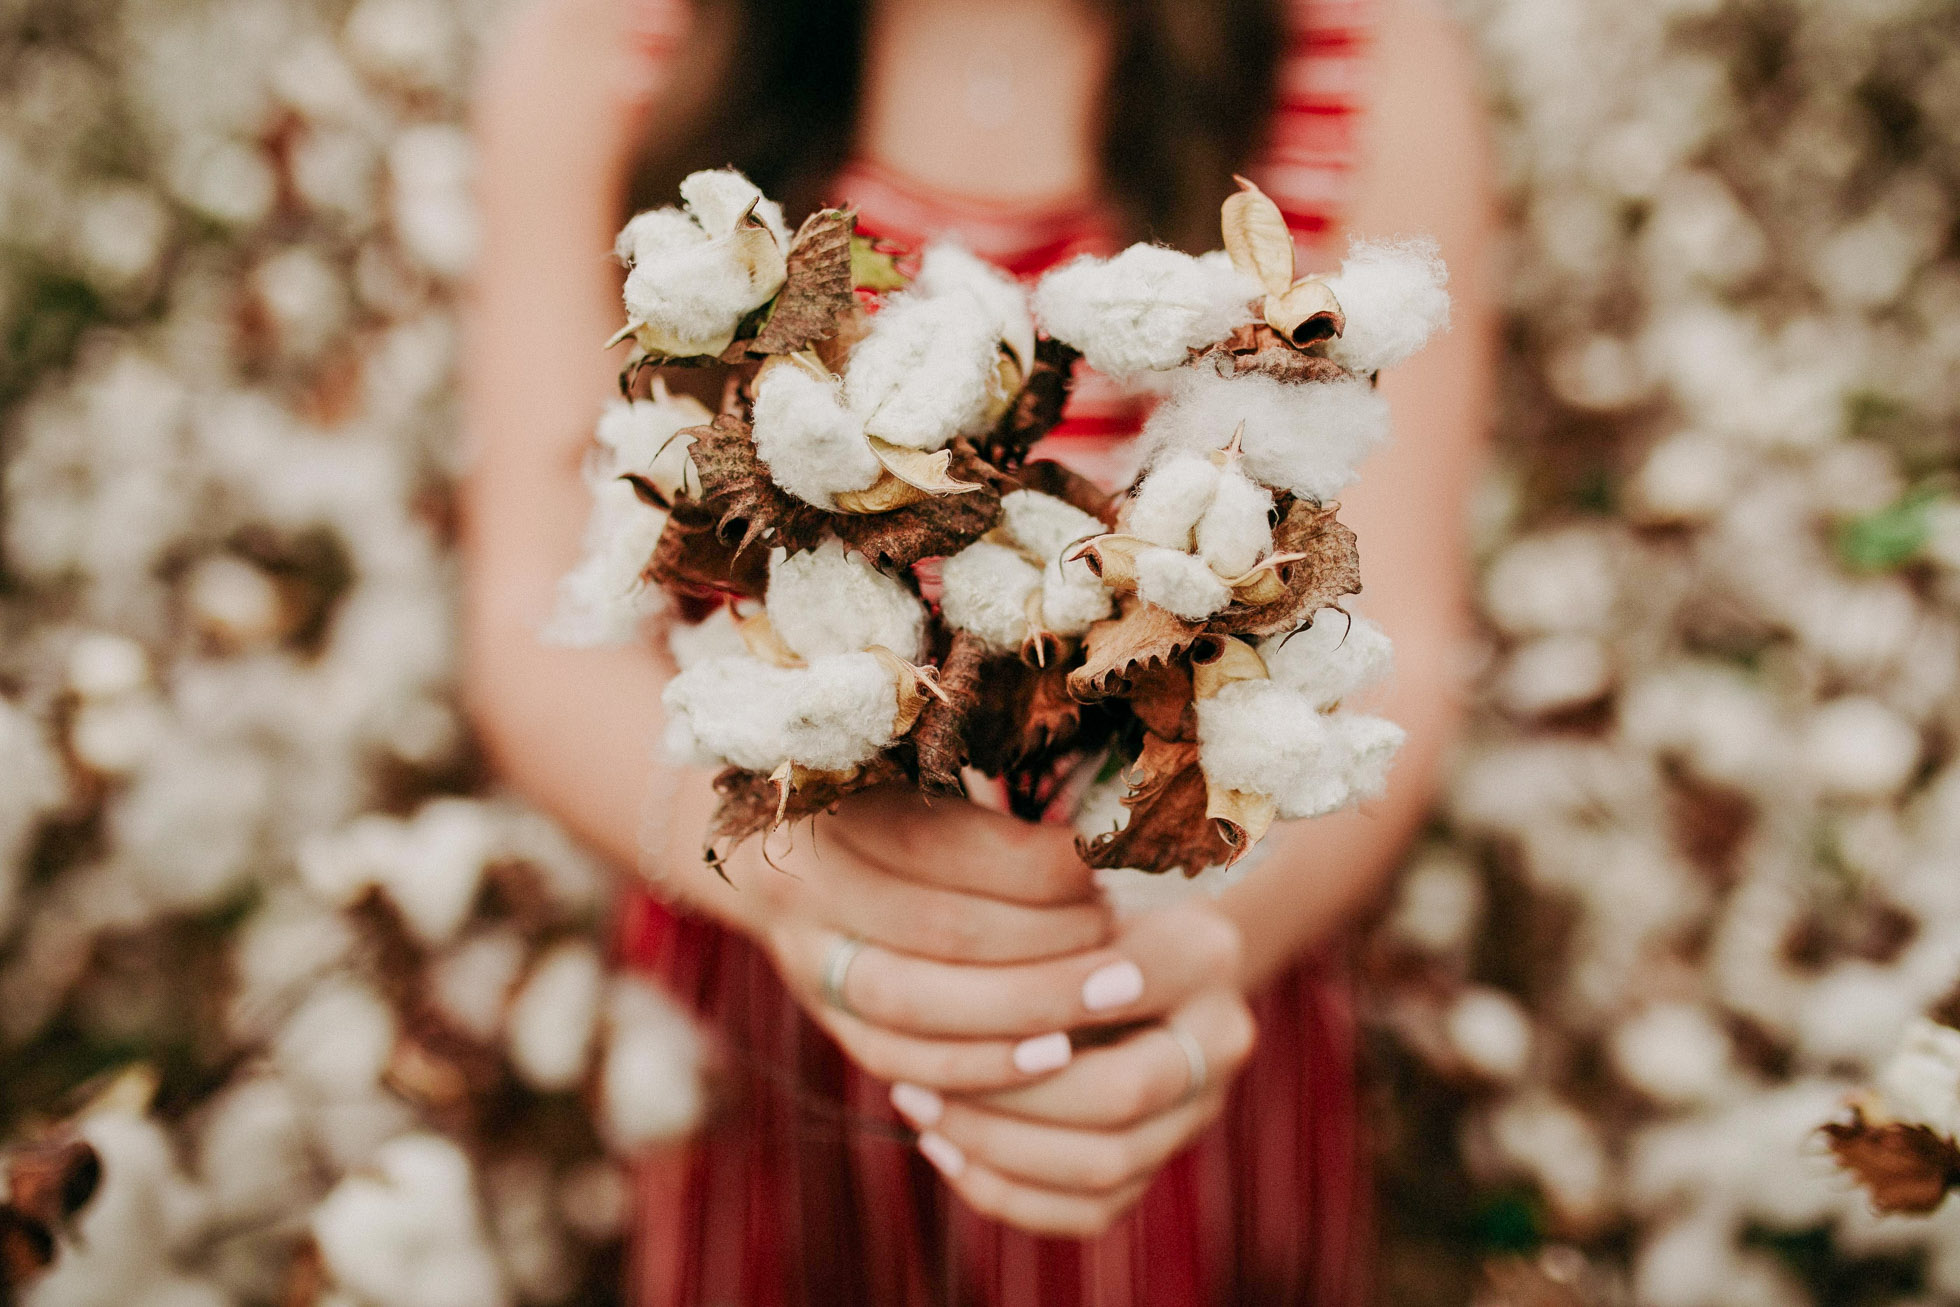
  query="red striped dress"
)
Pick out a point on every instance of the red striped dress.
point(806, 1191)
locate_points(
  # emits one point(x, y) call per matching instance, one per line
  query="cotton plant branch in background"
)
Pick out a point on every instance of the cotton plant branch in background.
point(869, 582)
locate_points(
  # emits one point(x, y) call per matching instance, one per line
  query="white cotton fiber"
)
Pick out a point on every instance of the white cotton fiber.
point(923, 373)
point(984, 590)
point(1181, 583)
point(1394, 299)
point(1044, 525)
point(1367, 746)
point(554, 1016)
point(717, 197)
point(1144, 309)
point(947, 270)
point(1305, 438)
point(1260, 737)
point(714, 636)
point(602, 600)
point(1165, 509)
point(1334, 658)
point(812, 444)
point(824, 601)
point(843, 712)
point(641, 436)
point(1237, 530)
point(1072, 597)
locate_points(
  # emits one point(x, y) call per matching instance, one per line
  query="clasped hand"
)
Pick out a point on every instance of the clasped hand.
point(1051, 1056)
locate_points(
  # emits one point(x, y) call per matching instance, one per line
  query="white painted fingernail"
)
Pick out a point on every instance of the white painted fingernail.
point(947, 1159)
point(918, 1105)
point(1112, 986)
point(1042, 1053)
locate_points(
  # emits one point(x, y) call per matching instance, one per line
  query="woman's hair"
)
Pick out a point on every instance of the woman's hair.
point(1192, 86)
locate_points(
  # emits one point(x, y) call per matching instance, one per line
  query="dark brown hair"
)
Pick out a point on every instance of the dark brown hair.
point(771, 86)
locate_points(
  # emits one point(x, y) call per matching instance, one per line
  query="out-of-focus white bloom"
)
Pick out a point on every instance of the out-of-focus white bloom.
point(1921, 1080)
point(429, 867)
point(650, 1081)
point(1146, 308)
point(555, 1016)
point(120, 236)
point(34, 785)
point(234, 603)
point(1437, 905)
point(1685, 478)
point(1490, 1032)
point(1559, 582)
point(406, 41)
point(252, 1156)
point(337, 1044)
point(305, 299)
point(102, 666)
point(471, 984)
point(429, 173)
point(695, 273)
point(411, 1233)
point(1672, 1052)
point(1555, 1145)
point(1857, 746)
point(1554, 673)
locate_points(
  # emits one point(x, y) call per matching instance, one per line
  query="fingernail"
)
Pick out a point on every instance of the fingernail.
point(917, 1104)
point(1042, 1053)
point(1112, 986)
point(947, 1159)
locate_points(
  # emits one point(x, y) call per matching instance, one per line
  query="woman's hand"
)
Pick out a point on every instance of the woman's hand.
point(961, 910)
point(1070, 1154)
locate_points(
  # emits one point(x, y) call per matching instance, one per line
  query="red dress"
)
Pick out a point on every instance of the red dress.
point(806, 1190)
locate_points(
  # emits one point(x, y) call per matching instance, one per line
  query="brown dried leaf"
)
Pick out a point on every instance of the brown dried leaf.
point(1905, 1168)
point(752, 803)
point(744, 504)
point(50, 1180)
point(1036, 410)
point(1168, 826)
point(932, 528)
point(1256, 347)
point(1024, 718)
point(939, 740)
point(26, 1250)
point(816, 291)
point(1116, 651)
point(1257, 238)
point(1329, 567)
point(1162, 699)
point(690, 559)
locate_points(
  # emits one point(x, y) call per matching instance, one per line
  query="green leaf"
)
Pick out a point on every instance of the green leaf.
point(1889, 538)
point(873, 268)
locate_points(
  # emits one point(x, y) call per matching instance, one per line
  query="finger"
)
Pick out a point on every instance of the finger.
point(1154, 966)
point(959, 846)
point(1024, 1206)
point(1066, 1159)
point(1141, 1075)
point(941, 1066)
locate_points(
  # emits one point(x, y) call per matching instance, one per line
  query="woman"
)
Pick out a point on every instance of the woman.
point(1085, 1087)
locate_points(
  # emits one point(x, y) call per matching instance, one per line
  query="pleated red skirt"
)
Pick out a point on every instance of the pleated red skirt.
point(805, 1189)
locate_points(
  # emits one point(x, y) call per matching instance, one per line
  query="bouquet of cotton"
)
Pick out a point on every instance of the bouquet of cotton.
point(877, 585)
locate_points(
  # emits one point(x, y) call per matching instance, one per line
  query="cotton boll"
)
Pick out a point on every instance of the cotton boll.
point(1490, 1032)
point(649, 1084)
point(824, 601)
point(718, 197)
point(252, 1155)
point(430, 171)
point(714, 636)
point(1180, 583)
point(1559, 581)
point(435, 878)
point(1687, 478)
point(1921, 1081)
point(1306, 439)
point(603, 600)
point(1674, 1053)
point(643, 436)
point(338, 1042)
point(655, 230)
point(1073, 598)
point(1554, 673)
point(985, 591)
point(1257, 737)
point(925, 371)
point(1560, 1150)
point(234, 604)
point(470, 984)
point(1438, 905)
point(1854, 1014)
point(1336, 657)
point(843, 712)
point(117, 736)
point(409, 1232)
point(1236, 531)
point(1165, 509)
point(1856, 746)
point(812, 444)
point(1146, 308)
point(1044, 525)
point(1366, 747)
point(733, 709)
point(102, 666)
point(946, 270)
point(1394, 299)
point(554, 1016)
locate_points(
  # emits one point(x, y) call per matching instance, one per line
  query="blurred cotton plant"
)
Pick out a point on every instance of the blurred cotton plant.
point(292, 1012)
point(1696, 893)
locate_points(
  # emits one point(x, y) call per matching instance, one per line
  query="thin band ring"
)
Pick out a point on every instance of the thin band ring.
point(836, 966)
point(1194, 1060)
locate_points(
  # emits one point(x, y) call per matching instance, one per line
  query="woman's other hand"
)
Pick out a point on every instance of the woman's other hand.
point(1069, 1154)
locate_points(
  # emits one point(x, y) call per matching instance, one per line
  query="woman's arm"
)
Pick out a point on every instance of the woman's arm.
point(1425, 171)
